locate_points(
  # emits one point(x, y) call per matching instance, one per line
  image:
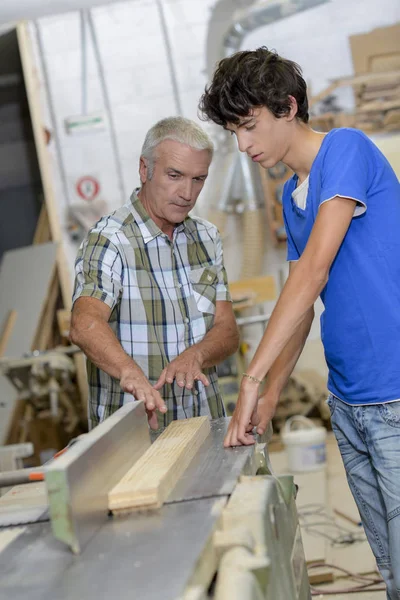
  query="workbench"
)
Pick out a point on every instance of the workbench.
point(172, 553)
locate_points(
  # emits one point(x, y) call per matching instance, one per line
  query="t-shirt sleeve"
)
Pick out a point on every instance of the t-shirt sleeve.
point(346, 169)
point(292, 252)
point(98, 270)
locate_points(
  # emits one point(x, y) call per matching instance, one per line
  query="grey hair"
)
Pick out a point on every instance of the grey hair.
point(178, 129)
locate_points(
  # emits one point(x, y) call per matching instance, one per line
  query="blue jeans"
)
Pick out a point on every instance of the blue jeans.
point(369, 442)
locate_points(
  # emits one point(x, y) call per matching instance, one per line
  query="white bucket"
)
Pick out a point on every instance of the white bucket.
point(305, 445)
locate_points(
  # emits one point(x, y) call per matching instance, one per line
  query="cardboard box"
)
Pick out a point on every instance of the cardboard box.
point(376, 51)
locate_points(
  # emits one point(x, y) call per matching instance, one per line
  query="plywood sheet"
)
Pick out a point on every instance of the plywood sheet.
point(25, 278)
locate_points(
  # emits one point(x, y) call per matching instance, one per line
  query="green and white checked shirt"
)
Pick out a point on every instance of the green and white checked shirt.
point(162, 296)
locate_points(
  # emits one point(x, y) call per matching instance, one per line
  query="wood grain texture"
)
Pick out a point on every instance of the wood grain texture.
point(148, 483)
point(7, 330)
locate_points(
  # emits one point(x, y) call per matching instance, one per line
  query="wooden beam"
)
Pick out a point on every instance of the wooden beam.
point(7, 330)
point(44, 328)
point(149, 482)
point(42, 231)
point(50, 213)
point(33, 90)
point(392, 76)
point(378, 106)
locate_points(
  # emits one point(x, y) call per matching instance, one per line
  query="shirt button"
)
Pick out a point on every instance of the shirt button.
point(180, 285)
point(209, 278)
point(196, 393)
point(186, 320)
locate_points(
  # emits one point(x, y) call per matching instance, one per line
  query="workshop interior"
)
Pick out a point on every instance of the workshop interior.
point(81, 82)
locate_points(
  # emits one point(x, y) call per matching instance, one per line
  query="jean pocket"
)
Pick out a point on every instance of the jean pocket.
point(390, 413)
point(331, 402)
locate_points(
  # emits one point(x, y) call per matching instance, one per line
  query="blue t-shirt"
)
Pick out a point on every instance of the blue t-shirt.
point(360, 326)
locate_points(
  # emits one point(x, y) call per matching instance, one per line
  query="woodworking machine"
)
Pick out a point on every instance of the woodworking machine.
point(228, 530)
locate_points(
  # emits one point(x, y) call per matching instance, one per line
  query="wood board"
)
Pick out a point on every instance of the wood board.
point(33, 91)
point(148, 483)
point(7, 330)
point(49, 223)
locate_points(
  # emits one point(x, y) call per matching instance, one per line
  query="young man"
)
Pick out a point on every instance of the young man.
point(342, 217)
point(152, 309)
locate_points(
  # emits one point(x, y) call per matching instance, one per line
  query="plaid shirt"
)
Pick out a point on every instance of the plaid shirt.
point(162, 296)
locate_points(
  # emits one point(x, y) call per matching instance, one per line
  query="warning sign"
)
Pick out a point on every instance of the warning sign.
point(87, 187)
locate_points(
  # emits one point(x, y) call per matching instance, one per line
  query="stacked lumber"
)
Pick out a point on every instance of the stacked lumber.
point(376, 60)
point(376, 85)
point(378, 102)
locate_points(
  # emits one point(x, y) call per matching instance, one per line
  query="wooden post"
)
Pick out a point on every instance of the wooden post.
point(32, 85)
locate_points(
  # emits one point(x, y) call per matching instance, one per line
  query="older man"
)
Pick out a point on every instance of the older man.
point(152, 310)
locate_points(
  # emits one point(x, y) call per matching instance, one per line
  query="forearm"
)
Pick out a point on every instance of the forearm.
point(290, 315)
point(283, 366)
point(99, 343)
point(218, 344)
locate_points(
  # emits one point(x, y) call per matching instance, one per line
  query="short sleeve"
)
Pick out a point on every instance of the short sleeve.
point(98, 270)
point(222, 282)
point(292, 252)
point(347, 167)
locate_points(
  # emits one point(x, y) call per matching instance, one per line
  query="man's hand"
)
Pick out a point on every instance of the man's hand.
point(185, 368)
point(244, 417)
point(135, 383)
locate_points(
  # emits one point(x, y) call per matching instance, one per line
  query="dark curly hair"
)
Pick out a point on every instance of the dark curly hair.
point(253, 78)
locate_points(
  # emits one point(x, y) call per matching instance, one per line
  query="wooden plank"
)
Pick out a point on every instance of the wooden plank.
point(33, 91)
point(252, 291)
point(64, 322)
point(32, 85)
point(320, 575)
point(378, 106)
point(82, 381)
point(149, 482)
point(42, 231)
point(45, 324)
point(392, 76)
point(7, 330)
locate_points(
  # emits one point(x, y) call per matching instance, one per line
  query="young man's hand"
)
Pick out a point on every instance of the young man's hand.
point(244, 417)
point(266, 408)
point(134, 382)
point(185, 368)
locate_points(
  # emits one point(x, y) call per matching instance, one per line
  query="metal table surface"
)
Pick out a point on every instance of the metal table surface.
point(144, 555)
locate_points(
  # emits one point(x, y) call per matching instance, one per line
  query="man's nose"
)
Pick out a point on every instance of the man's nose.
point(186, 190)
point(243, 144)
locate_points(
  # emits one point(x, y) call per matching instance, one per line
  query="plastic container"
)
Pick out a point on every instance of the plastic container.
point(305, 444)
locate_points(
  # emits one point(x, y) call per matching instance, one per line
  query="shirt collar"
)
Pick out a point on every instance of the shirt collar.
point(148, 228)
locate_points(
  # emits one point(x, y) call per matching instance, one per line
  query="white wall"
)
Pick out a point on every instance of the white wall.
point(135, 62)
point(318, 39)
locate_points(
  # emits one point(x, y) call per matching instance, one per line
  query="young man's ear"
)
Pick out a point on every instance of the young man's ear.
point(293, 109)
point(143, 170)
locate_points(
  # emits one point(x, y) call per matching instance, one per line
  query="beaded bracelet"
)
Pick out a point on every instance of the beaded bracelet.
point(252, 378)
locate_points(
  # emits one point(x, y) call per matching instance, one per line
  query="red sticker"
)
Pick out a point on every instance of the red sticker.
point(87, 187)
